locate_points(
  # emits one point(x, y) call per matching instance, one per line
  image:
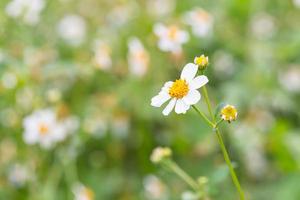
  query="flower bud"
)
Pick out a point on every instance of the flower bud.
point(229, 113)
point(160, 153)
point(201, 61)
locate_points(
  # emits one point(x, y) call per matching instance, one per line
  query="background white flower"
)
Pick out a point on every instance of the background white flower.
point(42, 127)
point(28, 10)
point(183, 92)
point(138, 57)
point(200, 21)
point(72, 28)
point(82, 192)
point(171, 38)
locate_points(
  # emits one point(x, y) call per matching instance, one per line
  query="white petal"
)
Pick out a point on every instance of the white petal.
point(166, 86)
point(160, 29)
point(183, 37)
point(169, 107)
point(198, 82)
point(160, 99)
point(189, 71)
point(30, 137)
point(192, 97)
point(181, 107)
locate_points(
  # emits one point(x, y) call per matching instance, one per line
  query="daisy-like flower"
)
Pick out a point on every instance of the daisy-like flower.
point(182, 92)
point(138, 58)
point(171, 38)
point(160, 153)
point(200, 21)
point(229, 113)
point(82, 192)
point(42, 127)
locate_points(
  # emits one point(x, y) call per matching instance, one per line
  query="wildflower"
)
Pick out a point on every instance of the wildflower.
point(154, 188)
point(201, 61)
point(290, 79)
point(18, 175)
point(28, 10)
point(170, 37)
point(102, 55)
point(229, 113)
point(42, 127)
point(138, 58)
point(160, 8)
point(82, 192)
point(183, 92)
point(72, 29)
point(9, 80)
point(200, 21)
point(160, 153)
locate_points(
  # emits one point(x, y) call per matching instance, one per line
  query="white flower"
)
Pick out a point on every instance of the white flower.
point(188, 195)
point(138, 58)
point(29, 10)
point(170, 37)
point(9, 80)
point(296, 3)
point(42, 127)
point(160, 8)
point(102, 55)
point(200, 21)
point(160, 153)
point(82, 192)
point(154, 188)
point(290, 79)
point(183, 92)
point(72, 29)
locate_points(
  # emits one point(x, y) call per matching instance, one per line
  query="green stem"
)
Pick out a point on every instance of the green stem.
point(203, 116)
point(228, 162)
point(223, 148)
point(182, 174)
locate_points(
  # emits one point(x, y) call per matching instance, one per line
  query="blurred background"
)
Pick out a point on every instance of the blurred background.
point(88, 70)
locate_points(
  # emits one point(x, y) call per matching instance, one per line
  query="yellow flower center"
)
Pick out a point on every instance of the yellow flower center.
point(89, 194)
point(202, 60)
point(179, 89)
point(43, 129)
point(172, 33)
point(229, 113)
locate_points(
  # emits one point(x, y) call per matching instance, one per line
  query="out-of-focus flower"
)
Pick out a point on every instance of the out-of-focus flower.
point(189, 195)
point(201, 61)
point(200, 21)
point(290, 79)
point(160, 7)
point(72, 28)
point(263, 26)
point(171, 38)
point(28, 10)
point(9, 117)
point(18, 175)
point(160, 153)
point(102, 55)
point(25, 98)
point(120, 15)
point(183, 92)
point(8, 151)
point(229, 113)
point(138, 58)
point(42, 127)
point(9, 80)
point(296, 3)
point(82, 192)
point(154, 188)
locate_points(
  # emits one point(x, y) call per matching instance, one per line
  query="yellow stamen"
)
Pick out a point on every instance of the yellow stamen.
point(179, 89)
point(201, 61)
point(89, 193)
point(173, 30)
point(43, 129)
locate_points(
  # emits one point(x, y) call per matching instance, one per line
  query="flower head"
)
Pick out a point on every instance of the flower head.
point(170, 37)
point(229, 113)
point(160, 153)
point(201, 61)
point(43, 127)
point(200, 21)
point(182, 93)
point(82, 192)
